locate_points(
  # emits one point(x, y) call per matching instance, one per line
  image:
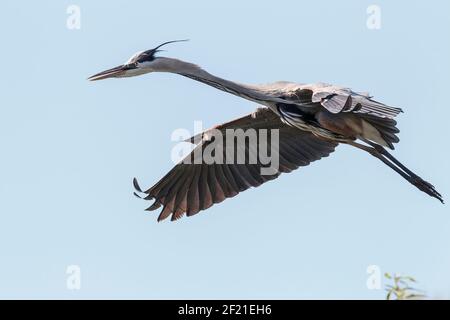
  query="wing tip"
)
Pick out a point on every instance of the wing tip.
point(136, 185)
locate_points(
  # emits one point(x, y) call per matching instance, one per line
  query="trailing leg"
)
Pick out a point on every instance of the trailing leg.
point(379, 152)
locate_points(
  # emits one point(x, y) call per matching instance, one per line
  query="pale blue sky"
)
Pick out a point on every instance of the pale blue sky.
point(70, 149)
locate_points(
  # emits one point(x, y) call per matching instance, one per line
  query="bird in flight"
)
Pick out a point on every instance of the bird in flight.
point(311, 121)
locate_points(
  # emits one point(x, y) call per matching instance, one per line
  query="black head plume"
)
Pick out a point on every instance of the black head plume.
point(163, 44)
point(149, 55)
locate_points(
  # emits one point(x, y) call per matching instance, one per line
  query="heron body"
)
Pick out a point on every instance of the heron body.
point(312, 119)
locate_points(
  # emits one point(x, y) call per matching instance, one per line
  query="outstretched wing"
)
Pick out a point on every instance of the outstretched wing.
point(195, 184)
point(333, 98)
point(340, 101)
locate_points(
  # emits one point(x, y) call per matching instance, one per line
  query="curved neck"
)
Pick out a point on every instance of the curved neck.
point(192, 71)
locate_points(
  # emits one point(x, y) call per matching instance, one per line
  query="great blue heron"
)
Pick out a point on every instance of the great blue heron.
point(312, 120)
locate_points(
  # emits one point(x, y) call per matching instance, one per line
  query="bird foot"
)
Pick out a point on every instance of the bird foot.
point(426, 187)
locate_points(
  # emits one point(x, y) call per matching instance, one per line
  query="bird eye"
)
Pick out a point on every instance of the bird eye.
point(130, 66)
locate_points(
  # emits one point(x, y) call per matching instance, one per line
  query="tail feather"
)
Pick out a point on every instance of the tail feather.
point(386, 127)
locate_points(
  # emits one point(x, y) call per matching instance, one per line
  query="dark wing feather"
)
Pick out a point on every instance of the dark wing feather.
point(191, 187)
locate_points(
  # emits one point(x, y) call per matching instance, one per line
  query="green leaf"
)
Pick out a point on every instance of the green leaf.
point(388, 296)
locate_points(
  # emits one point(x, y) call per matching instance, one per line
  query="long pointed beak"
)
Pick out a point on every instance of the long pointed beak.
point(110, 73)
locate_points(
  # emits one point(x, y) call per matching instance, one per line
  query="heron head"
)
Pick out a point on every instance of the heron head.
point(139, 63)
